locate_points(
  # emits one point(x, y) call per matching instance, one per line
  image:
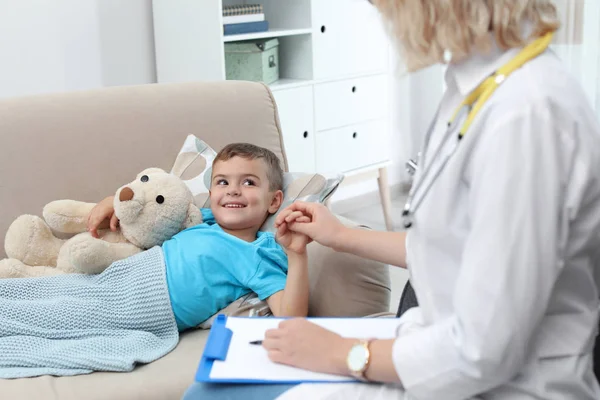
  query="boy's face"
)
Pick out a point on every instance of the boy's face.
point(240, 197)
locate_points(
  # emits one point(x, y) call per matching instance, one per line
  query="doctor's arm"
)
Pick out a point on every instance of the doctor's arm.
point(326, 229)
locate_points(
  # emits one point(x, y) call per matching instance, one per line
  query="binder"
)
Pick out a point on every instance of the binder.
point(245, 27)
point(240, 19)
point(256, 367)
point(242, 9)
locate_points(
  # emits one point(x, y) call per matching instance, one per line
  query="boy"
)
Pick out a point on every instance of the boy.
point(211, 265)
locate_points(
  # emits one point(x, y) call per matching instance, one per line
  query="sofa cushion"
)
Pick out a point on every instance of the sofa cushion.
point(343, 285)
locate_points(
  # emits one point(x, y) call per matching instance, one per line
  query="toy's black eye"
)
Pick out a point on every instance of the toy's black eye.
point(144, 178)
point(160, 199)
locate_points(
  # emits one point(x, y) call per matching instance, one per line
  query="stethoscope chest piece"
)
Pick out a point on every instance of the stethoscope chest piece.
point(406, 218)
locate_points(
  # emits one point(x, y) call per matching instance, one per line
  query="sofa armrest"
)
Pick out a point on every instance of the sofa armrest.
point(345, 285)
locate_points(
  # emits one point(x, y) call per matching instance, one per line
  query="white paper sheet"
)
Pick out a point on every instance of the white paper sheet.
point(250, 362)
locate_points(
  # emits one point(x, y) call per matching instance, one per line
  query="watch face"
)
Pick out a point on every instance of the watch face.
point(357, 358)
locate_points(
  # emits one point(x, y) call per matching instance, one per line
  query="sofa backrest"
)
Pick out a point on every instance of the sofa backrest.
point(84, 145)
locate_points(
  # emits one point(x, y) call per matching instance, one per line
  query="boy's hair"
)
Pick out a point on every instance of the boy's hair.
point(252, 152)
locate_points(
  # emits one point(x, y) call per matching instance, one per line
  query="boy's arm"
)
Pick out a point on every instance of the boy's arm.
point(292, 301)
point(102, 216)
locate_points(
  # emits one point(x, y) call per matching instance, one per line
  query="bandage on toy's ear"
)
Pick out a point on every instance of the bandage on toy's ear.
point(193, 218)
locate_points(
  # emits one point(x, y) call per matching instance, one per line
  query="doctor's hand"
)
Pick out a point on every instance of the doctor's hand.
point(302, 344)
point(317, 222)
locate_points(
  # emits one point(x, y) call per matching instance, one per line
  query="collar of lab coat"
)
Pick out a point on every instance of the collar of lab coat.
point(466, 75)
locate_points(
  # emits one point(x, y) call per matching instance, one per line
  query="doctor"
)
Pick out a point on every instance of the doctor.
point(503, 225)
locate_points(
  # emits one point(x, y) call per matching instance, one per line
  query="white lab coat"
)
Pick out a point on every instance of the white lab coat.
point(504, 251)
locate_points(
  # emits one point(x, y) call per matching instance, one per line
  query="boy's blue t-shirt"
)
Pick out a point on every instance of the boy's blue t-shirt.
point(207, 269)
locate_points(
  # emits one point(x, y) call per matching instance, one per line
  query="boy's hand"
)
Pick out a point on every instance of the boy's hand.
point(292, 241)
point(317, 222)
point(99, 214)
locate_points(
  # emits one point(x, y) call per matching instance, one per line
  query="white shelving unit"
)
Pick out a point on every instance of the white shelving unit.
point(334, 76)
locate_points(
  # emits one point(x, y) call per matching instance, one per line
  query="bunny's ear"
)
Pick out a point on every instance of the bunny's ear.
point(193, 218)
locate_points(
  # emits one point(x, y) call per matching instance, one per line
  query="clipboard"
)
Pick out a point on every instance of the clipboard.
point(250, 363)
point(216, 348)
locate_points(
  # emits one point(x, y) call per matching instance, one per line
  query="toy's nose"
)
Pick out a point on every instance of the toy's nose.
point(126, 194)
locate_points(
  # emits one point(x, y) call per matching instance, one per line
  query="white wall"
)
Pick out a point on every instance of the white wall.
point(126, 41)
point(64, 45)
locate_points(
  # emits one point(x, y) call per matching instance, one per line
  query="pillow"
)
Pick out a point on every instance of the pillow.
point(249, 305)
point(194, 165)
point(315, 188)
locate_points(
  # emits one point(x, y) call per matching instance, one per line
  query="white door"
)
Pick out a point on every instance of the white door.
point(295, 108)
point(348, 38)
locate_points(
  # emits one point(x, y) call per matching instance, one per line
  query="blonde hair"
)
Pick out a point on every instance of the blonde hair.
point(425, 29)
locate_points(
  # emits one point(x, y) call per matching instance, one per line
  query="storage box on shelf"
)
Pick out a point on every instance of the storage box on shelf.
point(253, 60)
point(331, 91)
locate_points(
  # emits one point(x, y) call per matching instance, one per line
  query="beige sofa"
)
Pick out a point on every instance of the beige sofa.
point(84, 145)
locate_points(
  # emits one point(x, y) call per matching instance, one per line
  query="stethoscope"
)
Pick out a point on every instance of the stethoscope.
point(469, 108)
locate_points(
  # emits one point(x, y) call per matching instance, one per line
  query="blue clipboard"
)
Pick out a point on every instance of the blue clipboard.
point(216, 348)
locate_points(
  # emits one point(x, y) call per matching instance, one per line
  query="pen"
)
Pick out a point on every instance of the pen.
point(257, 342)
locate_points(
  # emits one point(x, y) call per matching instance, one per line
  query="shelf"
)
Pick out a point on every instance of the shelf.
point(268, 34)
point(286, 83)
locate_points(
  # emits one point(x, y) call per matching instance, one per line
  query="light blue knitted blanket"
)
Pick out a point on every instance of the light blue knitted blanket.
point(76, 324)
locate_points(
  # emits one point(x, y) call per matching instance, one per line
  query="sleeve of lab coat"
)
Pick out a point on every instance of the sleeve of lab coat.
point(510, 263)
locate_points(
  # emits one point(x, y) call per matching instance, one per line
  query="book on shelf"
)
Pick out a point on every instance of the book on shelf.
point(246, 27)
point(240, 19)
point(242, 9)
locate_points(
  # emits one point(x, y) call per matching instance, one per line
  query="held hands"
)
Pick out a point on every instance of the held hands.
point(100, 213)
point(292, 241)
point(311, 219)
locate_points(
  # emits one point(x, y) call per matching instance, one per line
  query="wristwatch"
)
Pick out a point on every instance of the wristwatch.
point(358, 359)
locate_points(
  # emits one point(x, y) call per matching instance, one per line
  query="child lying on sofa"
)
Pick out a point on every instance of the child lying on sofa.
point(213, 264)
point(133, 311)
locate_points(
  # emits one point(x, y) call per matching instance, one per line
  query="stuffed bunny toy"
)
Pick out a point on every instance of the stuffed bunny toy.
point(151, 209)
